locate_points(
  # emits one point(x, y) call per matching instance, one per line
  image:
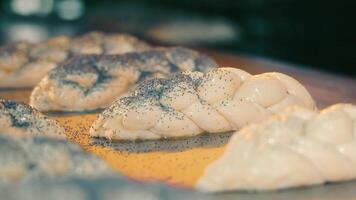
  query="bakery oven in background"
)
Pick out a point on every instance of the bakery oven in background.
point(318, 34)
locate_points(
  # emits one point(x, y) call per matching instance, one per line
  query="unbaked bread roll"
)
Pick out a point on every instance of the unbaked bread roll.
point(21, 120)
point(109, 43)
point(33, 146)
point(42, 158)
point(297, 147)
point(191, 103)
point(24, 64)
point(94, 81)
point(12, 160)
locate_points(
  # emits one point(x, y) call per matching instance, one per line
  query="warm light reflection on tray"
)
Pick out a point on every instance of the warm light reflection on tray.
point(180, 162)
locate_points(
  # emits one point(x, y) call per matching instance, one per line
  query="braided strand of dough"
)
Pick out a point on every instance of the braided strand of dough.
point(42, 158)
point(94, 81)
point(297, 147)
point(21, 120)
point(188, 104)
point(23, 64)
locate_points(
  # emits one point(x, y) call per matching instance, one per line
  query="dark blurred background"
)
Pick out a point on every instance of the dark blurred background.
point(316, 34)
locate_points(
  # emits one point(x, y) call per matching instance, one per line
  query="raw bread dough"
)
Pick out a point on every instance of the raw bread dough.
point(298, 147)
point(24, 64)
point(34, 147)
point(106, 43)
point(94, 81)
point(42, 158)
point(190, 103)
point(21, 120)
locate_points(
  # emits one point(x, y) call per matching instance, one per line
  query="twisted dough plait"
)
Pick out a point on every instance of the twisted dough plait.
point(94, 81)
point(297, 147)
point(188, 104)
point(43, 158)
point(21, 120)
point(106, 43)
point(23, 64)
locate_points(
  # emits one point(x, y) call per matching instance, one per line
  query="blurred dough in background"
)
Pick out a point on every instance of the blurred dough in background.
point(187, 31)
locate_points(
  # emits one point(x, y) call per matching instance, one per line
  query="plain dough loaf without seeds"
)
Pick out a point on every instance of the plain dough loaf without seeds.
point(298, 147)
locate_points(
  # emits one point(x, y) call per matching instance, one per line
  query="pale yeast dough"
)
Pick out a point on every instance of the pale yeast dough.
point(34, 147)
point(94, 81)
point(24, 64)
point(191, 103)
point(21, 120)
point(42, 158)
point(298, 147)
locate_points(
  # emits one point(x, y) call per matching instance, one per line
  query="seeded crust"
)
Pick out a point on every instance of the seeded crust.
point(21, 120)
point(24, 64)
point(94, 81)
point(191, 103)
point(42, 158)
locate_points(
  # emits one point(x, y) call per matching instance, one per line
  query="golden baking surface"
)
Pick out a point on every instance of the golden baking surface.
point(17, 94)
point(180, 162)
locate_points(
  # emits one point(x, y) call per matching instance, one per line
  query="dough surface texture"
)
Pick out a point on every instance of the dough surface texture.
point(191, 103)
point(94, 81)
point(41, 158)
point(24, 64)
point(298, 147)
point(21, 120)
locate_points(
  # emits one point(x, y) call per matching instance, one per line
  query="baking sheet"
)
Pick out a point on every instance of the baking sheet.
point(179, 162)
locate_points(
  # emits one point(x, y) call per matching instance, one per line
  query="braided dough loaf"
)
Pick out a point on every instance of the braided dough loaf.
point(40, 158)
point(190, 103)
point(94, 81)
point(21, 120)
point(23, 64)
point(298, 147)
